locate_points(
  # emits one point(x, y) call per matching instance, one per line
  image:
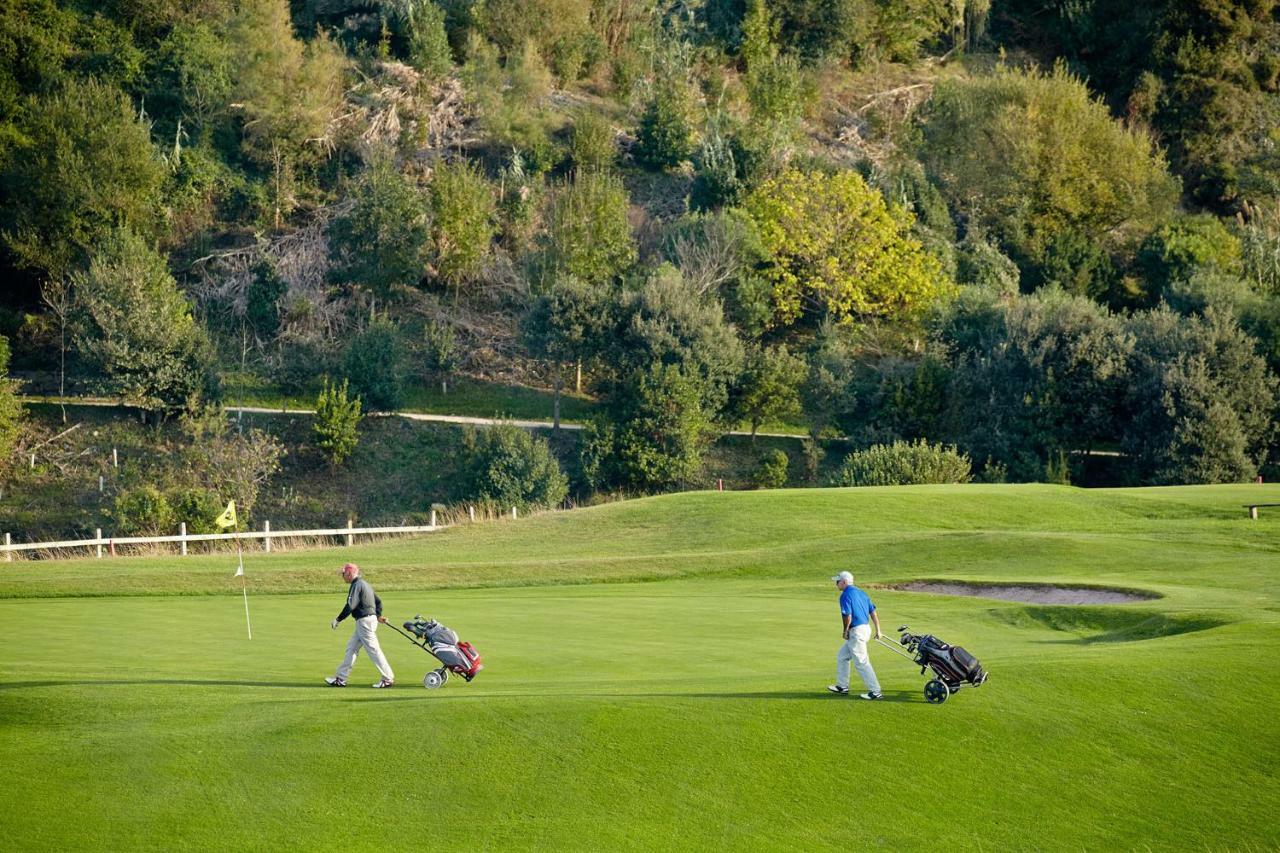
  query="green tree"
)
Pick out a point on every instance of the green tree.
point(1068, 171)
point(666, 321)
point(463, 221)
point(1183, 246)
point(336, 426)
point(287, 93)
point(769, 387)
point(11, 411)
point(507, 466)
point(136, 327)
point(189, 80)
point(84, 167)
point(374, 364)
point(429, 50)
point(441, 352)
point(565, 326)
point(834, 246)
point(593, 146)
point(1201, 400)
point(665, 135)
point(587, 235)
point(1033, 377)
point(661, 428)
point(382, 242)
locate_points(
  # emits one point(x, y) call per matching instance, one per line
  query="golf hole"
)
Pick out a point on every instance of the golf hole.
point(1030, 593)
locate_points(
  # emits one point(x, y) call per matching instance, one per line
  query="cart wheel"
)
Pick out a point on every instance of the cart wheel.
point(444, 675)
point(936, 692)
point(432, 680)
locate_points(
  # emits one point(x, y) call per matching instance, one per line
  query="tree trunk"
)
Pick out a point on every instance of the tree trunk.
point(578, 384)
point(555, 403)
point(444, 385)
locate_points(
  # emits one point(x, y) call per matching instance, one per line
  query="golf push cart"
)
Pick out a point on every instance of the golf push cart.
point(952, 666)
point(442, 643)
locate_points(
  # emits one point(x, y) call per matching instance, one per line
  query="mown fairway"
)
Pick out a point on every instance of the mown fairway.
point(655, 681)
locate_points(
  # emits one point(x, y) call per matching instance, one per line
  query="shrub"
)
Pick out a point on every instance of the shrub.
point(11, 411)
point(197, 508)
point(143, 510)
point(336, 422)
point(300, 364)
point(903, 464)
point(464, 221)
point(508, 466)
point(374, 365)
point(588, 235)
point(771, 471)
point(382, 242)
point(665, 135)
point(441, 352)
point(428, 43)
point(593, 145)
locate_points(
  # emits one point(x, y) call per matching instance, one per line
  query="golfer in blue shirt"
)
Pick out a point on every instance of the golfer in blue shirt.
point(856, 610)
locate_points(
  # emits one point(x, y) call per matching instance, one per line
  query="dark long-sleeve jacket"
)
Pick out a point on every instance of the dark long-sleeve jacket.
point(362, 601)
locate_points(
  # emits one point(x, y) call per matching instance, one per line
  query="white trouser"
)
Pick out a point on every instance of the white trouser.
point(855, 649)
point(366, 635)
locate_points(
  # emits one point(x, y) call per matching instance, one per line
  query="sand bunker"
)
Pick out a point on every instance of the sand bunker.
point(1030, 593)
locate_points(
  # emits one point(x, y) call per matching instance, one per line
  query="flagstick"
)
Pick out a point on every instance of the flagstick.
point(244, 584)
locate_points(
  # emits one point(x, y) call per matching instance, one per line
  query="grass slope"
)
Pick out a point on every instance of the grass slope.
point(679, 705)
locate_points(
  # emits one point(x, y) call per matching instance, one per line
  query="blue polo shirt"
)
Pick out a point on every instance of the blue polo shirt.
point(855, 603)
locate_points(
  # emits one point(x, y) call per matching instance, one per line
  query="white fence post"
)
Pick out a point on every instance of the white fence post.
point(8, 555)
point(182, 543)
point(350, 537)
point(266, 537)
point(97, 534)
point(33, 461)
point(513, 512)
point(433, 518)
point(115, 458)
point(471, 511)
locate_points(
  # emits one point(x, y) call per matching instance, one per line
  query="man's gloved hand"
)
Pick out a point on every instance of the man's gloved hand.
point(334, 624)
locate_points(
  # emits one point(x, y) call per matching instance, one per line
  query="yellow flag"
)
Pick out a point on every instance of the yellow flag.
point(228, 517)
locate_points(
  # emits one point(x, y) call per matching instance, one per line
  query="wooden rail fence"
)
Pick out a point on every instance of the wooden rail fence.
point(266, 535)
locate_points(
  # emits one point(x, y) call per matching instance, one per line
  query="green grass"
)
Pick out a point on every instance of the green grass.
point(654, 681)
point(467, 397)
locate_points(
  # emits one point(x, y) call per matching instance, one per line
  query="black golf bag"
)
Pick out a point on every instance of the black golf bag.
point(952, 666)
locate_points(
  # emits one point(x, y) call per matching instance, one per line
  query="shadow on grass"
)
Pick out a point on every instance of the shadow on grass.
point(145, 682)
point(1105, 624)
point(786, 695)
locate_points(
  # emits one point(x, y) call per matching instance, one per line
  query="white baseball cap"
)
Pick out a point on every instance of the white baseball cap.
point(847, 577)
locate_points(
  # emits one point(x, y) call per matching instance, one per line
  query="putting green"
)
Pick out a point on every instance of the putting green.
point(680, 705)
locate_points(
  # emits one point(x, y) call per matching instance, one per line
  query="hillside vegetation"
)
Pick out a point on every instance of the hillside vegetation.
point(1013, 233)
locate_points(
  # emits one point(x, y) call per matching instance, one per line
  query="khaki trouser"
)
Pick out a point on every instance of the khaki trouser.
point(365, 635)
point(855, 649)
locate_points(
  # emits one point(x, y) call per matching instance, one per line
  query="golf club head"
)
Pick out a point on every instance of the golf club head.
point(902, 629)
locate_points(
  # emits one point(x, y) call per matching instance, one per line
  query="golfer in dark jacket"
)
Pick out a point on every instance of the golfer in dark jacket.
point(362, 603)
